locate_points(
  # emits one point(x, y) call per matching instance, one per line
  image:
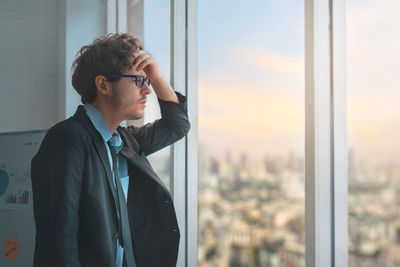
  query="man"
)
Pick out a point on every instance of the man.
point(97, 200)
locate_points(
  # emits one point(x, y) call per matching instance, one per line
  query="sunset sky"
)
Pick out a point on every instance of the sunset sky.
point(372, 79)
point(251, 75)
point(251, 89)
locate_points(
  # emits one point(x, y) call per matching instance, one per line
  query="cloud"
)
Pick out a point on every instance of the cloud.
point(266, 121)
point(266, 60)
point(255, 104)
point(372, 79)
point(374, 125)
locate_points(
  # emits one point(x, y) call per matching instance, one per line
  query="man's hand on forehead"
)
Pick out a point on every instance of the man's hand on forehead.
point(144, 61)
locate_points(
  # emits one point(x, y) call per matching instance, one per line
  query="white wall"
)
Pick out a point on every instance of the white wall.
point(38, 42)
point(28, 69)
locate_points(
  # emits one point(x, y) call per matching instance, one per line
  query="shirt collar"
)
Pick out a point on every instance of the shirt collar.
point(101, 126)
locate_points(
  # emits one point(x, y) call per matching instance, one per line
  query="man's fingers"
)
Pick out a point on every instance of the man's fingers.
point(138, 59)
point(144, 63)
point(141, 57)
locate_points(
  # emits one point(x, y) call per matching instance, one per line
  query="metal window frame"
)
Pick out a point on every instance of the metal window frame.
point(192, 138)
point(178, 152)
point(326, 134)
point(111, 25)
point(339, 96)
point(184, 174)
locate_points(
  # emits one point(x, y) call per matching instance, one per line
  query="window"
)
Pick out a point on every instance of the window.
point(374, 126)
point(157, 40)
point(251, 133)
point(151, 18)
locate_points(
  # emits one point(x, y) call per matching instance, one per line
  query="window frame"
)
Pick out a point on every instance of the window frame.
point(326, 133)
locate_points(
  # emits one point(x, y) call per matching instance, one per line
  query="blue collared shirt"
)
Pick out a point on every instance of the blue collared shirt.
point(116, 141)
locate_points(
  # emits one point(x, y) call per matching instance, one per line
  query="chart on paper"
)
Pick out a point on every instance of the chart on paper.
point(15, 161)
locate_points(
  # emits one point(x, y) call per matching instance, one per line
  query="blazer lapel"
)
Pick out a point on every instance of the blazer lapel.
point(98, 143)
point(102, 152)
point(130, 151)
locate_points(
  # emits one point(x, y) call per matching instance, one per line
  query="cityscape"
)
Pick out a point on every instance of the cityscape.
point(252, 213)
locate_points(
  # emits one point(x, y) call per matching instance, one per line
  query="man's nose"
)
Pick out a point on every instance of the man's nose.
point(146, 89)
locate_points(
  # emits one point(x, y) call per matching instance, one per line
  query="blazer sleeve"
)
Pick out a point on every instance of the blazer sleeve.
point(173, 125)
point(57, 172)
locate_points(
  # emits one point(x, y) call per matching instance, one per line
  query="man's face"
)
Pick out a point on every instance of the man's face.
point(128, 99)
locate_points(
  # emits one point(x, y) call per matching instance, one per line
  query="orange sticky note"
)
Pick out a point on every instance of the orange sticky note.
point(11, 248)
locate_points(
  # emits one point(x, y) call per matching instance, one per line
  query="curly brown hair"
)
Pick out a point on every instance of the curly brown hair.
point(110, 54)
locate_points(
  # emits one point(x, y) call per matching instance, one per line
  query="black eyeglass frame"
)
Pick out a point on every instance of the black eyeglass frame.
point(139, 79)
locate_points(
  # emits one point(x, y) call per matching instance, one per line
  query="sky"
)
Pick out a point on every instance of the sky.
point(251, 75)
point(251, 78)
point(373, 41)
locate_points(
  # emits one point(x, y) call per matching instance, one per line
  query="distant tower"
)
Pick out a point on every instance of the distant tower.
point(351, 160)
point(228, 156)
point(214, 166)
point(398, 233)
point(292, 161)
point(271, 166)
point(243, 160)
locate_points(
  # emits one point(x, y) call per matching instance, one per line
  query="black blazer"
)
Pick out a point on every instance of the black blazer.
point(74, 208)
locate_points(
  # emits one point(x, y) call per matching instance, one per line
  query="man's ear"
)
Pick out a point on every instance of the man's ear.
point(103, 86)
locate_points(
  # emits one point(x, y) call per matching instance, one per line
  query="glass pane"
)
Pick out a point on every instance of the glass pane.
point(251, 133)
point(373, 126)
point(156, 41)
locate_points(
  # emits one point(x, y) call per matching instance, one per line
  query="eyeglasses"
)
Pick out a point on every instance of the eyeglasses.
point(139, 79)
